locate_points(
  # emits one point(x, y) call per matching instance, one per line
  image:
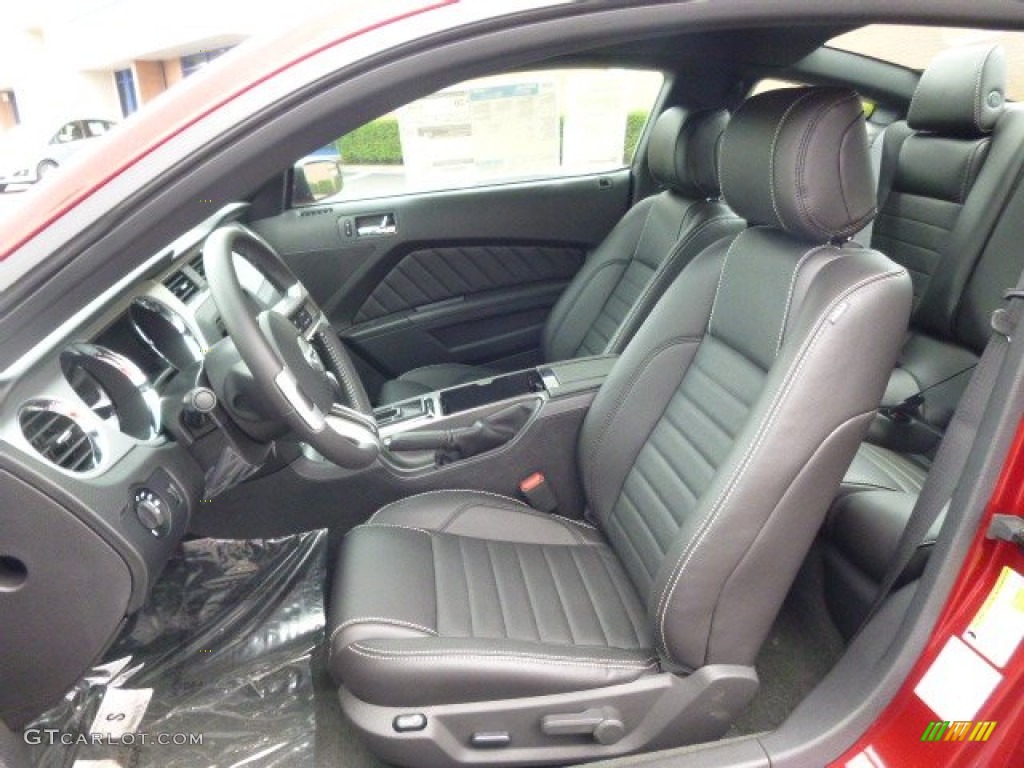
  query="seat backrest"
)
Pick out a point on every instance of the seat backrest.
point(710, 455)
point(941, 177)
point(947, 175)
point(626, 274)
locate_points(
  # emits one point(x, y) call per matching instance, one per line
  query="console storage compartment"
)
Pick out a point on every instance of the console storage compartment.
point(484, 392)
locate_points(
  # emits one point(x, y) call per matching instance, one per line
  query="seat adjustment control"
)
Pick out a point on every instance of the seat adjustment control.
point(415, 721)
point(603, 723)
point(490, 739)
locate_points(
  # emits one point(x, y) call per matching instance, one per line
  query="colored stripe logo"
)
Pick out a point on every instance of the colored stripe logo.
point(959, 730)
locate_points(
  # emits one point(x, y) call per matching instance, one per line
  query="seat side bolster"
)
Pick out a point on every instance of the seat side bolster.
point(832, 369)
point(434, 671)
point(483, 515)
point(573, 314)
point(710, 222)
point(363, 607)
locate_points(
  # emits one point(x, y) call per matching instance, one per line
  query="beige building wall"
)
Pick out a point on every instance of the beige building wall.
point(149, 80)
point(916, 46)
point(173, 73)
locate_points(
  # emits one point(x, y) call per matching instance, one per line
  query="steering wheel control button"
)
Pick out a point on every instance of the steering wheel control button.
point(490, 739)
point(416, 721)
point(151, 511)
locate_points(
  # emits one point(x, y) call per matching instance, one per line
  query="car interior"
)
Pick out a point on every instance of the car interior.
point(551, 468)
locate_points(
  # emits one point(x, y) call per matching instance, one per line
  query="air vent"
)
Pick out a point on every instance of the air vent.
point(182, 286)
point(58, 438)
point(197, 265)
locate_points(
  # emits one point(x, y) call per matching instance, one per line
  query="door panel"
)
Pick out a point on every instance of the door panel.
point(433, 275)
point(457, 276)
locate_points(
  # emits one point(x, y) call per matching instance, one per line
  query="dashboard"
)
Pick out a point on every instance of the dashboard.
point(95, 395)
point(99, 478)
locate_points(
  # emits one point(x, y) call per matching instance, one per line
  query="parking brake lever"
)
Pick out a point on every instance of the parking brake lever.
point(427, 440)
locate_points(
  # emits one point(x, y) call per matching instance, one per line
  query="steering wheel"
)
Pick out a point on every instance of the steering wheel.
point(282, 348)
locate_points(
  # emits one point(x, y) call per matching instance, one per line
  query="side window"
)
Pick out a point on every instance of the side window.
point(68, 132)
point(493, 130)
point(98, 127)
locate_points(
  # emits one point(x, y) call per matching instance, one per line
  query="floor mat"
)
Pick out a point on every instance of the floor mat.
point(216, 670)
point(801, 648)
point(338, 744)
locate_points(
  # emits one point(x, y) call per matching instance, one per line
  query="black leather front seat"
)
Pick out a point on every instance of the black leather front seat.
point(467, 627)
point(626, 274)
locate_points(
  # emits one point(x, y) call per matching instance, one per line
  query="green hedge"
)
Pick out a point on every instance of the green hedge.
point(635, 122)
point(378, 143)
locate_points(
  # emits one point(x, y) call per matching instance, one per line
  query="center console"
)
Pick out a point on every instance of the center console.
point(453, 408)
point(487, 435)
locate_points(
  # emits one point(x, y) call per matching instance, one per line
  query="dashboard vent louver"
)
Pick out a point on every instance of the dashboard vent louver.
point(197, 265)
point(58, 438)
point(182, 286)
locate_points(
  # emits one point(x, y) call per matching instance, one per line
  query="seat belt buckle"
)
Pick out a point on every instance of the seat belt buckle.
point(538, 493)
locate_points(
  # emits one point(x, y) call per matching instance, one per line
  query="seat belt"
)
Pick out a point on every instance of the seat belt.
point(904, 410)
point(951, 457)
point(864, 236)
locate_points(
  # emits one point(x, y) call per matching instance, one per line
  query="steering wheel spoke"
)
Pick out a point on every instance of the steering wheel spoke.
point(292, 352)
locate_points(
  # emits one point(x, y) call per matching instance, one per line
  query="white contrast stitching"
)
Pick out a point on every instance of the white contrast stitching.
point(792, 287)
point(525, 508)
point(393, 525)
point(807, 216)
point(968, 170)
point(802, 356)
point(669, 261)
point(443, 490)
point(351, 391)
point(977, 89)
point(771, 156)
point(380, 620)
point(434, 655)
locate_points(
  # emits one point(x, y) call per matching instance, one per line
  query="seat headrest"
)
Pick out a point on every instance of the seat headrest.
point(961, 93)
point(798, 159)
point(682, 153)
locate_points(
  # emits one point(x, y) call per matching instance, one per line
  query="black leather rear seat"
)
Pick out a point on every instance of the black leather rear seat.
point(947, 200)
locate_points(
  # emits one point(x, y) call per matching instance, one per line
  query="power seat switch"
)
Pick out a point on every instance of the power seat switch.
point(490, 740)
point(602, 723)
point(538, 493)
point(416, 721)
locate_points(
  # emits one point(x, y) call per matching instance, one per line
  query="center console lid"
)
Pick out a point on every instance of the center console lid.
point(570, 377)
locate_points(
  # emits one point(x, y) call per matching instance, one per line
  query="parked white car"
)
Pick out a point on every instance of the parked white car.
point(28, 158)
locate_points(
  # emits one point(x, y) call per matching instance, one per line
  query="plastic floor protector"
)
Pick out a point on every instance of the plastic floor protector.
point(214, 671)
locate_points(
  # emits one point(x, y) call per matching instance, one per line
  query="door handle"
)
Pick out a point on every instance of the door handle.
point(376, 224)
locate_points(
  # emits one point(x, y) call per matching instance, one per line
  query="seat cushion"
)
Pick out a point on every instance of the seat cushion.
point(875, 467)
point(458, 596)
point(431, 378)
